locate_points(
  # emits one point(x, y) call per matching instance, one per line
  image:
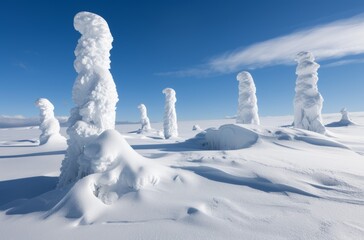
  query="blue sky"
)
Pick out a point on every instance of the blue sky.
point(195, 47)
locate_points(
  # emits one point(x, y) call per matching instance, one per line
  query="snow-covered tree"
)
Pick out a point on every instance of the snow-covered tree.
point(94, 94)
point(308, 101)
point(170, 116)
point(144, 120)
point(49, 125)
point(248, 108)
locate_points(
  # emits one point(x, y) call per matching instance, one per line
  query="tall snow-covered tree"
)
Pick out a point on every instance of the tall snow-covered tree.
point(144, 120)
point(49, 125)
point(94, 94)
point(307, 101)
point(170, 116)
point(247, 108)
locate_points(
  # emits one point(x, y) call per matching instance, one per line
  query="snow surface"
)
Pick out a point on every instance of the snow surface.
point(94, 93)
point(307, 101)
point(288, 184)
point(248, 107)
point(144, 120)
point(170, 116)
point(49, 125)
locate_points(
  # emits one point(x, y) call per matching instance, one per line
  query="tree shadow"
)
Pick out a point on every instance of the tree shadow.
point(62, 152)
point(258, 183)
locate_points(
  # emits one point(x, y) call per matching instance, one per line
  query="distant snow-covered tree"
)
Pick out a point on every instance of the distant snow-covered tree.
point(308, 101)
point(49, 125)
point(144, 120)
point(247, 108)
point(170, 116)
point(94, 94)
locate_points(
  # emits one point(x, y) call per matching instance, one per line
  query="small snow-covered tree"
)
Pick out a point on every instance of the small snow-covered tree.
point(94, 94)
point(144, 120)
point(344, 115)
point(308, 101)
point(170, 116)
point(49, 125)
point(247, 108)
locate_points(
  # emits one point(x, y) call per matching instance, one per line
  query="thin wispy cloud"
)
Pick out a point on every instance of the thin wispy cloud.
point(329, 41)
point(344, 62)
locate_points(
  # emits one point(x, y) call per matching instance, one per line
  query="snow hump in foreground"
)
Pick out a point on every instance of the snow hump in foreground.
point(247, 108)
point(94, 94)
point(307, 101)
point(144, 120)
point(170, 115)
point(49, 125)
point(228, 137)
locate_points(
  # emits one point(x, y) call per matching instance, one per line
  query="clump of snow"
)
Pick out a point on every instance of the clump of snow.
point(196, 128)
point(94, 93)
point(170, 116)
point(49, 125)
point(344, 121)
point(247, 108)
point(308, 101)
point(144, 120)
point(228, 137)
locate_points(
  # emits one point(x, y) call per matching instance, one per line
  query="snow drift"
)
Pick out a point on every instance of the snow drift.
point(49, 125)
point(94, 93)
point(307, 101)
point(247, 108)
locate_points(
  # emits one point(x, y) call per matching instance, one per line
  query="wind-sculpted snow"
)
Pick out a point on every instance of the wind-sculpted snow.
point(144, 120)
point(308, 101)
point(247, 108)
point(170, 115)
point(344, 121)
point(49, 125)
point(94, 93)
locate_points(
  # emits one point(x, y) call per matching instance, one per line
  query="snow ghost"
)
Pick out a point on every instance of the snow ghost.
point(49, 125)
point(170, 116)
point(144, 120)
point(307, 101)
point(344, 115)
point(248, 108)
point(94, 94)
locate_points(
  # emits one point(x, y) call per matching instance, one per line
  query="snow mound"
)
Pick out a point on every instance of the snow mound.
point(307, 101)
point(115, 169)
point(228, 137)
point(344, 121)
point(49, 124)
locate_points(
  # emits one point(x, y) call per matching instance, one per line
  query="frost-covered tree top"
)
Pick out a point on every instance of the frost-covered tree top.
point(170, 116)
point(144, 120)
point(94, 94)
point(247, 108)
point(308, 101)
point(49, 125)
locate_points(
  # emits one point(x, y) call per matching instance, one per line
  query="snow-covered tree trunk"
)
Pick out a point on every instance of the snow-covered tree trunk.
point(308, 101)
point(49, 125)
point(344, 115)
point(170, 116)
point(248, 108)
point(144, 120)
point(94, 94)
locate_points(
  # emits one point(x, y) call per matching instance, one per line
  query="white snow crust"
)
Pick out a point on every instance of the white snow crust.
point(248, 107)
point(94, 93)
point(49, 125)
point(170, 116)
point(307, 101)
point(144, 120)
